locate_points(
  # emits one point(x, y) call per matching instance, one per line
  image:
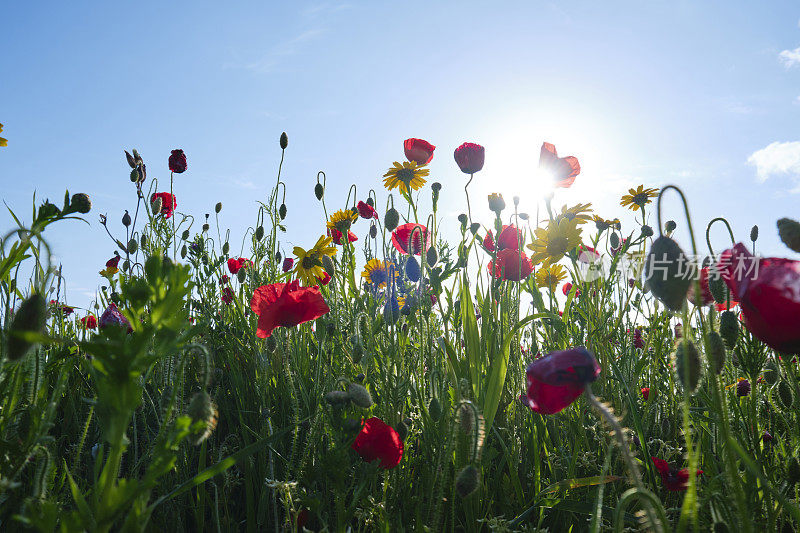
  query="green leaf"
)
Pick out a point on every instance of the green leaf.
point(80, 502)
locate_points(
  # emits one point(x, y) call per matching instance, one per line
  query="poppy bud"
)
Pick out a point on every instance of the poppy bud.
point(435, 409)
point(284, 141)
point(259, 233)
point(523, 216)
point(729, 328)
point(754, 233)
point(282, 211)
point(80, 203)
point(218, 207)
point(278, 256)
point(155, 205)
point(686, 360)
point(789, 231)
point(432, 256)
point(717, 287)
point(132, 246)
point(742, 388)
point(206, 227)
point(373, 230)
point(183, 251)
point(319, 191)
point(337, 397)
point(462, 218)
point(130, 159)
point(402, 430)
point(663, 273)
point(647, 231)
point(785, 394)
point(391, 219)
point(328, 266)
point(613, 240)
point(466, 418)
point(30, 317)
point(358, 351)
point(241, 275)
point(359, 395)
point(225, 248)
point(412, 269)
point(134, 176)
point(715, 351)
point(202, 409)
point(467, 481)
point(137, 157)
point(771, 372)
point(474, 227)
point(496, 202)
point(48, 210)
point(670, 226)
point(126, 219)
point(793, 471)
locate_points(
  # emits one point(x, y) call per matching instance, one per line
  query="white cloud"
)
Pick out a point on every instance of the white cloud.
point(790, 58)
point(778, 158)
point(268, 61)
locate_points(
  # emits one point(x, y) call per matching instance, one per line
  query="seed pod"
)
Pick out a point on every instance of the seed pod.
point(132, 246)
point(202, 409)
point(729, 328)
point(412, 269)
point(715, 351)
point(126, 219)
point(328, 266)
point(259, 233)
point(771, 372)
point(432, 256)
point(663, 273)
point(391, 219)
point(789, 231)
point(359, 395)
point(183, 251)
point(373, 230)
point(467, 481)
point(29, 318)
point(670, 226)
point(319, 191)
point(225, 248)
point(282, 211)
point(80, 203)
point(241, 275)
point(435, 409)
point(337, 398)
point(686, 360)
point(613, 240)
point(284, 142)
point(793, 471)
point(785, 394)
point(218, 207)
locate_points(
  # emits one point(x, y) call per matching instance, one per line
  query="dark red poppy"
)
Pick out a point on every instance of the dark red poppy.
point(168, 203)
point(287, 305)
point(113, 262)
point(645, 393)
point(238, 263)
point(113, 317)
point(288, 263)
point(177, 162)
point(378, 440)
point(64, 309)
point(402, 234)
point(638, 341)
point(512, 265)
point(224, 279)
point(768, 291)
point(469, 157)
point(672, 478)
point(418, 151)
point(563, 169)
point(336, 236)
point(557, 379)
point(227, 295)
point(366, 211)
point(89, 322)
point(325, 279)
point(708, 298)
point(510, 237)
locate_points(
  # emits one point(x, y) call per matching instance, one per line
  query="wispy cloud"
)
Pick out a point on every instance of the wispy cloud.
point(279, 52)
point(778, 159)
point(790, 58)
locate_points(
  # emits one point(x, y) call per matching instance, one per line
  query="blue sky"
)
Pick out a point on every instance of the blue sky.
point(702, 95)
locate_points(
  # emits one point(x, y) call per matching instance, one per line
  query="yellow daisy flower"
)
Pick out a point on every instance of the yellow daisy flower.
point(3, 142)
point(553, 242)
point(548, 277)
point(603, 224)
point(376, 272)
point(342, 219)
point(579, 213)
point(406, 176)
point(308, 266)
point(638, 197)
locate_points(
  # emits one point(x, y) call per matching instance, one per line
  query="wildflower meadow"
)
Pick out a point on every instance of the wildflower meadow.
point(551, 370)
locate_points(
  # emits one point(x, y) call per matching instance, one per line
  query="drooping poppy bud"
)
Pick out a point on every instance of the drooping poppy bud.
point(686, 360)
point(319, 191)
point(467, 481)
point(391, 219)
point(282, 211)
point(432, 256)
point(259, 233)
point(789, 232)
point(435, 409)
point(670, 226)
point(412, 269)
point(663, 273)
point(359, 395)
point(470, 157)
point(754, 233)
point(202, 409)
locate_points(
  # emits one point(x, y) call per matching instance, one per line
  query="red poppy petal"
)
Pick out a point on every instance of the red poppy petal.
point(551, 399)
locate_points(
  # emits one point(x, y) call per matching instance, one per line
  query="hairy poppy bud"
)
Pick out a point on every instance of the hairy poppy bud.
point(359, 395)
point(715, 351)
point(686, 360)
point(319, 191)
point(663, 273)
point(156, 205)
point(130, 159)
point(523, 216)
point(80, 203)
point(241, 275)
point(670, 226)
point(729, 328)
point(132, 246)
point(391, 219)
point(754, 233)
point(717, 287)
point(284, 141)
point(225, 248)
point(282, 211)
point(613, 240)
point(793, 471)
point(206, 227)
point(259, 234)
point(467, 481)
point(435, 409)
point(29, 318)
point(202, 409)
point(358, 351)
point(337, 397)
point(432, 256)
point(785, 394)
point(48, 210)
point(466, 418)
point(373, 230)
point(412, 269)
point(328, 266)
point(134, 175)
point(218, 207)
point(789, 231)
point(183, 251)
point(771, 372)
point(126, 219)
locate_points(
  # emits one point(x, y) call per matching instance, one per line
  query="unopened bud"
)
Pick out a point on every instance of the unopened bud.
point(467, 481)
point(686, 360)
point(202, 409)
point(715, 351)
point(132, 246)
point(29, 318)
point(670, 226)
point(206, 227)
point(432, 256)
point(337, 398)
point(218, 207)
point(785, 394)
point(126, 219)
point(183, 251)
point(156, 205)
point(327, 264)
point(241, 275)
point(80, 203)
point(259, 233)
point(359, 395)
point(474, 227)
point(391, 219)
point(435, 409)
point(282, 211)
point(771, 372)
point(729, 328)
point(373, 230)
point(185, 235)
point(319, 191)
point(754, 233)
point(284, 142)
point(789, 231)
point(225, 248)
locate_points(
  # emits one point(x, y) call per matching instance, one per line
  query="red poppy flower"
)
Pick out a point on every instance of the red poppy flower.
point(378, 440)
point(177, 162)
point(89, 322)
point(288, 263)
point(672, 478)
point(402, 234)
point(510, 237)
point(563, 169)
point(227, 295)
point(469, 157)
point(645, 393)
point(512, 265)
point(168, 203)
point(768, 291)
point(566, 288)
point(336, 236)
point(287, 305)
point(366, 210)
point(705, 291)
point(224, 279)
point(113, 317)
point(325, 279)
point(587, 254)
point(638, 341)
point(418, 151)
point(236, 264)
point(557, 379)
point(113, 262)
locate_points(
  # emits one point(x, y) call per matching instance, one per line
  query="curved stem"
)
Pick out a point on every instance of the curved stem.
point(469, 210)
point(708, 233)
